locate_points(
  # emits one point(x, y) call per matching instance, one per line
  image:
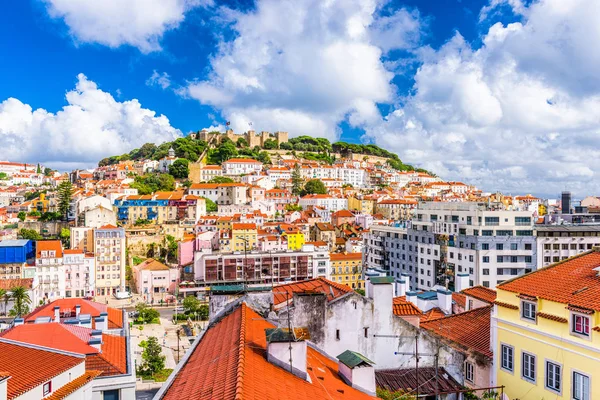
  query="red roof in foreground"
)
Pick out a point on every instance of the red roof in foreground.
point(29, 367)
point(481, 293)
point(402, 308)
point(332, 290)
point(115, 317)
point(230, 362)
point(74, 339)
point(470, 329)
point(573, 282)
point(72, 386)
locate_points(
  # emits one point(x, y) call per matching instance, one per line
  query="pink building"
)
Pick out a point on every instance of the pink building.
point(155, 280)
point(79, 273)
point(204, 240)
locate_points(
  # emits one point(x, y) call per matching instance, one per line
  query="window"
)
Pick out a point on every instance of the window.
point(528, 310)
point(514, 246)
point(486, 283)
point(499, 259)
point(486, 271)
point(487, 233)
point(581, 386)
point(528, 367)
point(486, 259)
point(485, 246)
point(492, 221)
point(528, 259)
point(507, 357)
point(499, 246)
point(513, 259)
point(366, 332)
point(580, 325)
point(527, 246)
point(553, 376)
point(337, 334)
point(469, 371)
point(47, 388)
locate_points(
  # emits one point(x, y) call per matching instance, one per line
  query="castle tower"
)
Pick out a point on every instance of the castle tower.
point(252, 139)
point(282, 137)
point(264, 136)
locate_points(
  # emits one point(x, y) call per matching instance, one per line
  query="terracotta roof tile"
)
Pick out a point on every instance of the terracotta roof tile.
point(45, 245)
point(73, 386)
point(432, 314)
point(230, 362)
point(29, 367)
point(460, 299)
point(481, 293)
point(401, 307)
point(331, 289)
point(115, 316)
point(8, 284)
point(151, 265)
point(470, 329)
point(573, 282)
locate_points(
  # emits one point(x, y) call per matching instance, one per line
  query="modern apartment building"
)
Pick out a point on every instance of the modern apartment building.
point(79, 273)
point(50, 271)
point(311, 261)
point(558, 242)
point(488, 242)
point(109, 248)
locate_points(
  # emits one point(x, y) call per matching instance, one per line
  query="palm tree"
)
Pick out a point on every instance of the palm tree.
point(4, 296)
point(22, 301)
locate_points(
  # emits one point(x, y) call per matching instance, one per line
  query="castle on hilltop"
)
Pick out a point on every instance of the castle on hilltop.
point(253, 138)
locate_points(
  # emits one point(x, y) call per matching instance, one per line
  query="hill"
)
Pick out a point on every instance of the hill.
point(303, 146)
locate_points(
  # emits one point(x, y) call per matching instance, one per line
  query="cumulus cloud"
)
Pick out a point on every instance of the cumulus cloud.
point(138, 23)
point(518, 114)
point(304, 66)
point(91, 126)
point(157, 79)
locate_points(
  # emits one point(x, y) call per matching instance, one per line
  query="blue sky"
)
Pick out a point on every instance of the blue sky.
point(480, 91)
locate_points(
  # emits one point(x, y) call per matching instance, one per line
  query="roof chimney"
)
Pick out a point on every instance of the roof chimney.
point(381, 291)
point(101, 323)
point(56, 314)
point(77, 310)
point(462, 282)
point(19, 321)
point(411, 297)
point(279, 341)
point(96, 339)
point(444, 299)
point(357, 371)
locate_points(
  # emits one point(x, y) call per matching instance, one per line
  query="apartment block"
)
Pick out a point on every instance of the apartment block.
point(558, 242)
point(109, 248)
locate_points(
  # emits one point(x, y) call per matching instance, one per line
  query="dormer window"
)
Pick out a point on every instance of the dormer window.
point(580, 324)
point(528, 310)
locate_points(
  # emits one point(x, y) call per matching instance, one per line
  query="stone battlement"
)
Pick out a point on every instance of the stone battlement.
point(253, 138)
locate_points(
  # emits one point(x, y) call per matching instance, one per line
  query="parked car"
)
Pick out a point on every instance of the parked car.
point(120, 295)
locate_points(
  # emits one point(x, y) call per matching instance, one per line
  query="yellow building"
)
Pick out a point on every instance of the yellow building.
point(293, 235)
point(41, 204)
point(364, 205)
point(546, 332)
point(346, 268)
point(243, 236)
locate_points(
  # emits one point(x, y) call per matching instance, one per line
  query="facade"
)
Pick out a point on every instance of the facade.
point(80, 270)
point(160, 208)
point(558, 242)
point(109, 248)
point(346, 269)
point(50, 271)
point(325, 201)
point(545, 331)
point(209, 172)
point(155, 280)
point(398, 209)
point(222, 193)
point(241, 166)
point(244, 237)
point(444, 239)
point(15, 255)
point(261, 267)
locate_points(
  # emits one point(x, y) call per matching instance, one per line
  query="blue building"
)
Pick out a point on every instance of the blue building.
point(16, 251)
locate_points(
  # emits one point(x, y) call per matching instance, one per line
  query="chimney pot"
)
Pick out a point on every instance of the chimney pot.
point(357, 371)
point(279, 341)
point(56, 314)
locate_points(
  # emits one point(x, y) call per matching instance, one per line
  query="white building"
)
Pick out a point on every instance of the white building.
point(241, 166)
point(221, 193)
point(208, 172)
point(49, 270)
point(325, 201)
point(109, 248)
point(558, 242)
point(80, 273)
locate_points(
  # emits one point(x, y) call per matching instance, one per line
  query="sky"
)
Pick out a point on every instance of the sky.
point(502, 94)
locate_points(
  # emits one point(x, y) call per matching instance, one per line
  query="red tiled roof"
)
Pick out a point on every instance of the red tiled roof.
point(242, 160)
point(460, 299)
point(401, 307)
point(151, 265)
point(481, 293)
point(45, 245)
point(8, 284)
point(470, 329)
point(432, 314)
point(342, 214)
point(72, 386)
point(573, 282)
point(230, 362)
point(242, 226)
point(331, 289)
point(115, 316)
point(29, 368)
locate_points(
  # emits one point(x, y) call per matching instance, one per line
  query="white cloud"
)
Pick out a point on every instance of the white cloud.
point(138, 23)
point(157, 79)
point(519, 114)
point(91, 126)
point(304, 66)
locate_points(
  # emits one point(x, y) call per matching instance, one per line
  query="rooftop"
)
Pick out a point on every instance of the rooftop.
point(152, 265)
point(332, 290)
point(229, 361)
point(67, 306)
point(481, 293)
point(406, 380)
point(573, 282)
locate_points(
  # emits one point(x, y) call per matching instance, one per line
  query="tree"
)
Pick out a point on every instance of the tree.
point(150, 183)
point(296, 180)
point(34, 213)
point(211, 206)
point(64, 194)
point(191, 304)
point(48, 171)
point(221, 179)
point(3, 176)
point(293, 207)
point(241, 142)
point(180, 168)
point(22, 301)
point(145, 313)
point(21, 215)
point(30, 234)
point(270, 144)
point(171, 247)
point(4, 296)
point(152, 359)
point(65, 237)
point(264, 157)
point(315, 186)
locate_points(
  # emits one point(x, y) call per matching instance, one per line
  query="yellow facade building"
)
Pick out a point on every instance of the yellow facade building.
point(243, 237)
point(294, 236)
point(546, 332)
point(364, 205)
point(346, 268)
